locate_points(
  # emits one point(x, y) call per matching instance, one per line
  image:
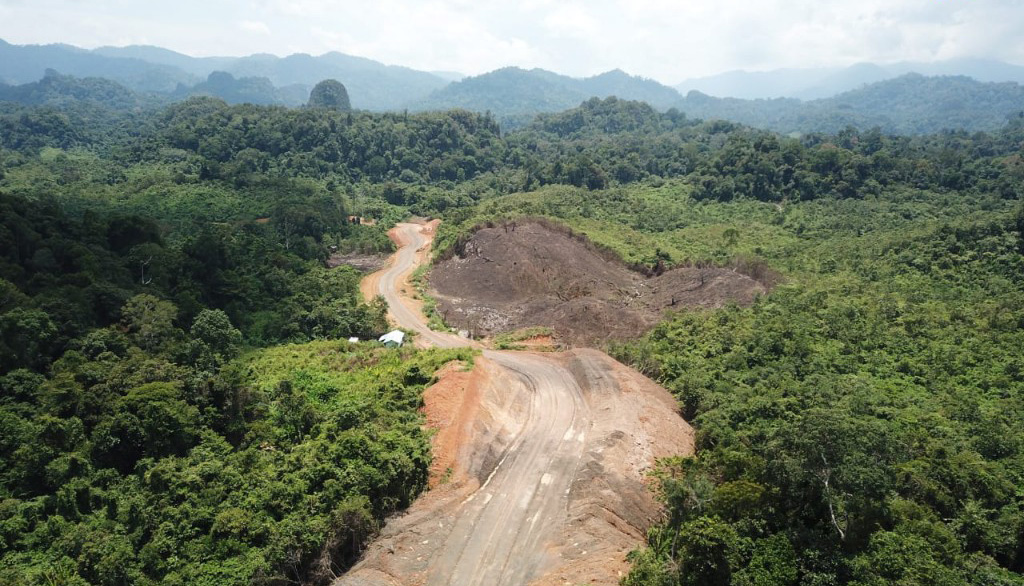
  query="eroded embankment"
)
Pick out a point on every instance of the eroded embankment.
point(504, 279)
point(549, 481)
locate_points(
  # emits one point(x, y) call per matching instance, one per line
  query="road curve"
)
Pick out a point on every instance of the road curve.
point(412, 242)
point(501, 532)
point(552, 463)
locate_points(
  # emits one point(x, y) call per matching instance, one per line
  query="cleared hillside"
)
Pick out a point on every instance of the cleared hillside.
point(535, 274)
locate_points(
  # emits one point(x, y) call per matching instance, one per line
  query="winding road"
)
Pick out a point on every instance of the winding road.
point(532, 445)
point(500, 536)
point(410, 254)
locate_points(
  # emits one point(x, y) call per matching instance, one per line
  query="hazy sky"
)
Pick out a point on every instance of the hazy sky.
point(669, 40)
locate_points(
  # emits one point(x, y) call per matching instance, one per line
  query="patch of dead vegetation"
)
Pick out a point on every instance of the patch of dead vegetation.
point(364, 263)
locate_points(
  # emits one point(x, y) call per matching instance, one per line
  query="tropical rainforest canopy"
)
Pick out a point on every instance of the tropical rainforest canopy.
point(177, 406)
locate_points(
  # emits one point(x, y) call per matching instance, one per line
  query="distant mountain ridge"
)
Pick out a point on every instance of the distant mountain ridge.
point(514, 94)
point(909, 104)
point(826, 82)
point(197, 66)
point(55, 89)
point(25, 64)
point(251, 90)
point(371, 85)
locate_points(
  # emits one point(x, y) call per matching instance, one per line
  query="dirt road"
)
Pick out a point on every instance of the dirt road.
point(393, 283)
point(506, 526)
point(548, 483)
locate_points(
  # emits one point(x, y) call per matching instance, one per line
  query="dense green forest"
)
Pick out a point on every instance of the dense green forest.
point(880, 383)
point(154, 427)
point(859, 424)
point(176, 406)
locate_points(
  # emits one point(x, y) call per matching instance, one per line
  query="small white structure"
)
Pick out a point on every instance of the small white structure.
point(392, 339)
point(353, 340)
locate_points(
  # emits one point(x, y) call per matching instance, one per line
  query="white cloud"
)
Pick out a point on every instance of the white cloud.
point(572, 20)
point(254, 26)
point(668, 40)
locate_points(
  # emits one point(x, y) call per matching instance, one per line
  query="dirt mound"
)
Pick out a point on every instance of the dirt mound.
point(506, 278)
point(448, 405)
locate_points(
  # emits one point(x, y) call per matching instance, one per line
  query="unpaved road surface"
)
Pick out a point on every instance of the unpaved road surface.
point(547, 482)
point(393, 283)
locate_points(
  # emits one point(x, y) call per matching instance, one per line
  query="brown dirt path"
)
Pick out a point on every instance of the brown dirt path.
point(402, 237)
point(540, 464)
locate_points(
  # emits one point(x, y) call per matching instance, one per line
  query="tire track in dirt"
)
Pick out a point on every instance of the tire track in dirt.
point(549, 481)
point(520, 507)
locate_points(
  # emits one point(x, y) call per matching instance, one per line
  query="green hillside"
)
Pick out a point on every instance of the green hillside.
point(910, 104)
point(514, 95)
point(179, 403)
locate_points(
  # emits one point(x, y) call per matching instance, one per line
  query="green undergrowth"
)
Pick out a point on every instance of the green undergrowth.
point(860, 423)
point(510, 340)
point(644, 224)
point(330, 371)
point(278, 470)
point(421, 284)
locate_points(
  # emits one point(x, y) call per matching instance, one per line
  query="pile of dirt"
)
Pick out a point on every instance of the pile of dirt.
point(506, 278)
point(449, 405)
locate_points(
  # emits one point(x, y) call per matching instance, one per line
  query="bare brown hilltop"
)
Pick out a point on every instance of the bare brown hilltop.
point(531, 274)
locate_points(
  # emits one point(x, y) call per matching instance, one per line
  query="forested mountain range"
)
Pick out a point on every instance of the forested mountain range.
point(245, 90)
point(55, 89)
point(512, 92)
point(371, 85)
point(24, 64)
point(199, 67)
point(825, 82)
point(909, 104)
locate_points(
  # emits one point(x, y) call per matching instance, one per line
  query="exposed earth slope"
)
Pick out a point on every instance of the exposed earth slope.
point(548, 457)
point(505, 279)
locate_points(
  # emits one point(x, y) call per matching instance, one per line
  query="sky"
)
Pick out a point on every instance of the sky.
point(667, 40)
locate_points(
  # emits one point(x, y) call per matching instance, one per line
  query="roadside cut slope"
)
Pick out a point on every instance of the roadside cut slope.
point(504, 279)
